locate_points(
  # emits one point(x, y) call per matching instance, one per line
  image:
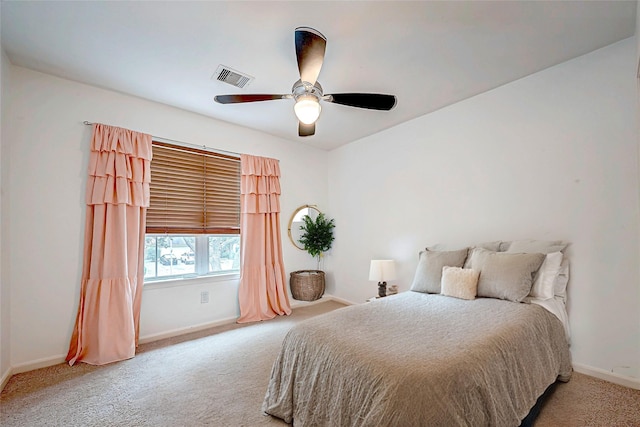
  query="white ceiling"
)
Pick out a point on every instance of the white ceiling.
point(428, 54)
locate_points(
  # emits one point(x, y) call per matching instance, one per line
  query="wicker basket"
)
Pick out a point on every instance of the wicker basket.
point(307, 285)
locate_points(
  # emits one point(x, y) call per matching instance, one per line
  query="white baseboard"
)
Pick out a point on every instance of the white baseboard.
point(5, 379)
point(55, 360)
point(37, 364)
point(326, 297)
point(341, 300)
point(181, 331)
point(611, 377)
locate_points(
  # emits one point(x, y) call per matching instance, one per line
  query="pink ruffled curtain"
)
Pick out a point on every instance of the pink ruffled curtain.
point(107, 324)
point(263, 293)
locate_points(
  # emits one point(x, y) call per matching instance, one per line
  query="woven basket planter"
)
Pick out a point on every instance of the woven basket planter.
point(307, 285)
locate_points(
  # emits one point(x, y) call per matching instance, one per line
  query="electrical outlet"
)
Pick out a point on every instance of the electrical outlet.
point(204, 297)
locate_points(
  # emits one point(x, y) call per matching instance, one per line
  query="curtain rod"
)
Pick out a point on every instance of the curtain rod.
point(186, 144)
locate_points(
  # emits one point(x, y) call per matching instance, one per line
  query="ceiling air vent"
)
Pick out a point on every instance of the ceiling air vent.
point(231, 76)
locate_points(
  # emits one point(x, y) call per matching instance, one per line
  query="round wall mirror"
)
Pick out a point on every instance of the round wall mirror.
point(296, 221)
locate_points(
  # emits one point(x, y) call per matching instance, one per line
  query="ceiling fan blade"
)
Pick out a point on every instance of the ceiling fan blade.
point(372, 101)
point(234, 99)
point(310, 47)
point(306, 130)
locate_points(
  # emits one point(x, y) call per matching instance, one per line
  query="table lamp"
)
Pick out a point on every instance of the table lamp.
point(380, 271)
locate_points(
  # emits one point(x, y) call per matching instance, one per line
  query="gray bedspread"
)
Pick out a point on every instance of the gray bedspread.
point(415, 359)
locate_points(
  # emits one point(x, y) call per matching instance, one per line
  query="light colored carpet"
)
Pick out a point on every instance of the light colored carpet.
point(218, 377)
point(591, 402)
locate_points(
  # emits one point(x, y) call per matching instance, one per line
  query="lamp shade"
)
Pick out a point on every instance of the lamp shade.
point(307, 109)
point(382, 270)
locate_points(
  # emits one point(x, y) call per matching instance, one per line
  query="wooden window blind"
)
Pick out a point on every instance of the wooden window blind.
point(193, 191)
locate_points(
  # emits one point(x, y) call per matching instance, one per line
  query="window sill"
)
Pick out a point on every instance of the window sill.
point(181, 282)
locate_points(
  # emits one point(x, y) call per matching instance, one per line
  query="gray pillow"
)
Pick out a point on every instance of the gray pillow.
point(429, 271)
point(503, 275)
point(490, 246)
point(536, 246)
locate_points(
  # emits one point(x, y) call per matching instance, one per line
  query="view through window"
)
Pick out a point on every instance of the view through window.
point(173, 256)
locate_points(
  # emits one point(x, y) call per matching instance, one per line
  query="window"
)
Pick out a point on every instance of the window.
point(193, 221)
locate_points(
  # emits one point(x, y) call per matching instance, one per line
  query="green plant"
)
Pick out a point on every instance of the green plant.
point(317, 236)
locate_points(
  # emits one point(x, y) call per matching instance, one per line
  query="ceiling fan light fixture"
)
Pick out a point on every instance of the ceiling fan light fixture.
point(307, 92)
point(307, 109)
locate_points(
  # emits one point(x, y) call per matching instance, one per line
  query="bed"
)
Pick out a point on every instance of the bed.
point(425, 358)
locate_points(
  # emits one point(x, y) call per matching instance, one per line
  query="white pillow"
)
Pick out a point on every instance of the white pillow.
point(545, 280)
point(560, 285)
point(460, 282)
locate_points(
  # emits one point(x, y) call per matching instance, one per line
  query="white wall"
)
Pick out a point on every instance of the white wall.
point(551, 156)
point(48, 167)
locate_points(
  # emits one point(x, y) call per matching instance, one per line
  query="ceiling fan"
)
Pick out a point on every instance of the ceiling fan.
point(307, 92)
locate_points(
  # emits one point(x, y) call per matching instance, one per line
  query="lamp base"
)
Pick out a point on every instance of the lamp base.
point(382, 289)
